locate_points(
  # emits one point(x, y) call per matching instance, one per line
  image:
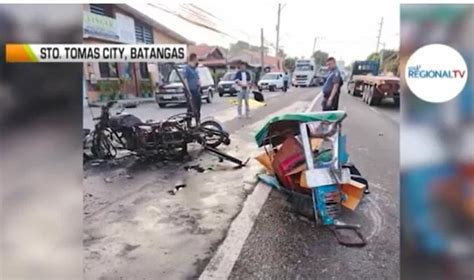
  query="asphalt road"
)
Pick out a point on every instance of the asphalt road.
point(135, 229)
point(282, 245)
point(218, 108)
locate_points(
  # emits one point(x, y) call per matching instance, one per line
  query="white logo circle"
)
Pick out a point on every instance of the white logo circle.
point(436, 73)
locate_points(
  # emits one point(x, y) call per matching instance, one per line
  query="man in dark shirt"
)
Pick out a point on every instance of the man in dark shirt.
point(192, 82)
point(244, 80)
point(332, 86)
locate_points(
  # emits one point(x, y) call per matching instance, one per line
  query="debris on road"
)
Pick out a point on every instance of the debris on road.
point(177, 187)
point(253, 104)
point(108, 180)
point(196, 167)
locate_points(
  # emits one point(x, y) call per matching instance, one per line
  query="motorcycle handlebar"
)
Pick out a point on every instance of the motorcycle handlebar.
point(110, 104)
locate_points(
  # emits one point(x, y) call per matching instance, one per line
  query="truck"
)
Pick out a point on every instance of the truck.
point(364, 81)
point(305, 73)
point(322, 74)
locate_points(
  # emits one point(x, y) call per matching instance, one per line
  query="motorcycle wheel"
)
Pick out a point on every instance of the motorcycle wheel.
point(102, 147)
point(212, 133)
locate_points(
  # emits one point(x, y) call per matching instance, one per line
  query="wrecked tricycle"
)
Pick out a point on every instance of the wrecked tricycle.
point(305, 156)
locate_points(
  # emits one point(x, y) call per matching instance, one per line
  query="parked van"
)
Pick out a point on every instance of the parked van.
point(171, 92)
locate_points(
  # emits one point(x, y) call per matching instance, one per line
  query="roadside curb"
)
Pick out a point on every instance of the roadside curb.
point(221, 264)
point(126, 102)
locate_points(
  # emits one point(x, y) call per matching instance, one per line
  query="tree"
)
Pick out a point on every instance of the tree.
point(392, 66)
point(242, 45)
point(289, 64)
point(374, 56)
point(320, 57)
point(389, 60)
point(281, 53)
point(387, 55)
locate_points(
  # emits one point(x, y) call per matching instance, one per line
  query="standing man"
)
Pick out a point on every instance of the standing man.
point(331, 87)
point(243, 79)
point(192, 82)
point(285, 81)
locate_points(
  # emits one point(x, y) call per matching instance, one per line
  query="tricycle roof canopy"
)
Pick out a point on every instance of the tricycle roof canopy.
point(278, 127)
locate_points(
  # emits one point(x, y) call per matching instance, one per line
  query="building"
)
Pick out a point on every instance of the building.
point(213, 57)
point(122, 24)
point(253, 59)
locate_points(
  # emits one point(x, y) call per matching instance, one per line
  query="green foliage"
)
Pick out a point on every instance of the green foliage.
point(242, 45)
point(146, 87)
point(390, 60)
point(281, 53)
point(320, 57)
point(392, 66)
point(217, 76)
point(289, 64)
point(374, 56)
point(109, 88)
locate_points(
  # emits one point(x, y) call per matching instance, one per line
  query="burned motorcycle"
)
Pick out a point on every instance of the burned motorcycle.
point(167, 139)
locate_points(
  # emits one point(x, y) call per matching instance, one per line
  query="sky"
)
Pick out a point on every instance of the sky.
point(348, 29)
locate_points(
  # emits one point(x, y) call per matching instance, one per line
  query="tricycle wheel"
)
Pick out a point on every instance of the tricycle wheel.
point(302, 205)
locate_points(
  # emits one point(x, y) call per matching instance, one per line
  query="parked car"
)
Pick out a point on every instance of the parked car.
point(227, 84)
point(271, 81)
point(171, 92)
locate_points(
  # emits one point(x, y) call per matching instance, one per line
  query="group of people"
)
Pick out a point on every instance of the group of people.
point(243, 78)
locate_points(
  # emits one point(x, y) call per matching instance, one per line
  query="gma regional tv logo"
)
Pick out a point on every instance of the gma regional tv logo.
point(436, 73)
point(417, 72)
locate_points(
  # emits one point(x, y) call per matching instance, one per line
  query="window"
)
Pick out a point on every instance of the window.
point(205, 76)
point(270, 77)
point(174, 78)
point(143, 32)
point(144, 70)
point(108, 70)
point(102, 9)
point(229, 76)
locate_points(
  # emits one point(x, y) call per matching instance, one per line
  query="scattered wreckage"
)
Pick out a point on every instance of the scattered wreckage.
point(161, 140)
point(305, 156)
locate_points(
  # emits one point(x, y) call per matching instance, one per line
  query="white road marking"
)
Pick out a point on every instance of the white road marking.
point(376, 215)
point(221, 264)
point(223, 261)
point(310, 108)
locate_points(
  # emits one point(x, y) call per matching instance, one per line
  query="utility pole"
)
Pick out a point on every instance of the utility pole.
point(381, 56)
point(262, 56)
point(278, 31)
point(277, 45)
point(314, 44)
point(379, 35)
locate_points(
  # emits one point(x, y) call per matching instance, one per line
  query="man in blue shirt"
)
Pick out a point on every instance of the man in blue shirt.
point(332, 86)
point(244, 80)
point(192, 82)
